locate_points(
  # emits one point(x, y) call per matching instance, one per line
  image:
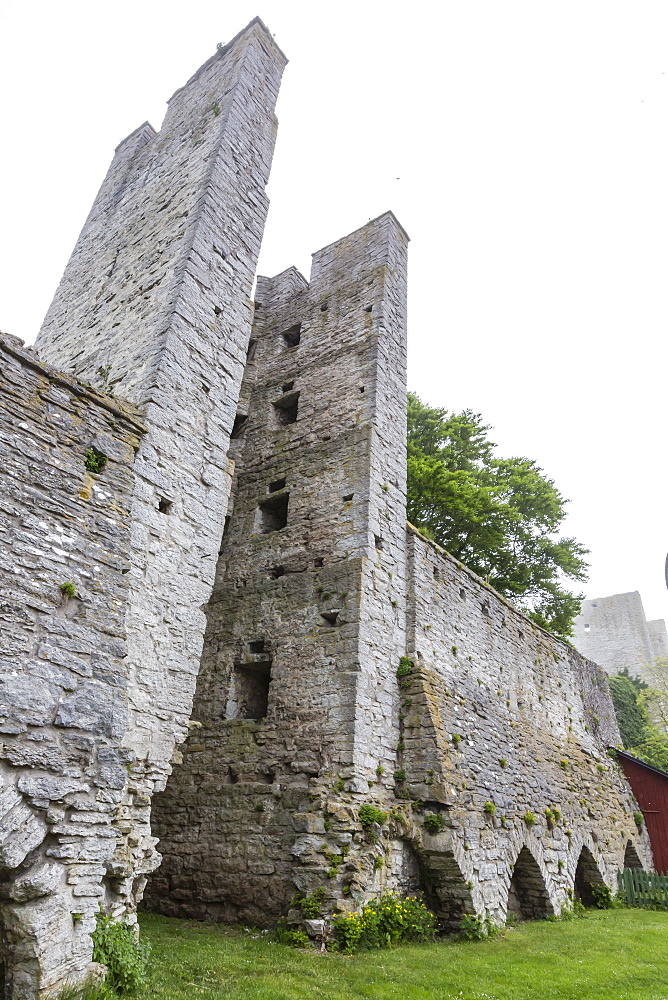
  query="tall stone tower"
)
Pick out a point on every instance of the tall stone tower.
point(154, 308)
point(306, 623)
point(613, 632)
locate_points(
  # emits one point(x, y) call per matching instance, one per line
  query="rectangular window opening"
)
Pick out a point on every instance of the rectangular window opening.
point(249, 694)
point(273, 513)
point(288, 387)
point(276, 485)
point(239, 425)
point(293, 335)
point(286, 408)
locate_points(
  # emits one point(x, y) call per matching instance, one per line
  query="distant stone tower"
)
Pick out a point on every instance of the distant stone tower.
point(613, 632)
point(154, 307)
point(307, 619)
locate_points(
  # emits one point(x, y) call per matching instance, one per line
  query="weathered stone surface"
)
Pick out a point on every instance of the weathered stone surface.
point(96, 687)
point(484, 765)
point(319, 592)
point(52, 645)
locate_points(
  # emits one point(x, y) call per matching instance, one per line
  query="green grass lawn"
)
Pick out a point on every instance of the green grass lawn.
point(608, 955)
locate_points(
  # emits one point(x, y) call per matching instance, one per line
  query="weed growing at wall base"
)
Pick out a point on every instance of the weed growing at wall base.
point(117, 946)
point(384, 922)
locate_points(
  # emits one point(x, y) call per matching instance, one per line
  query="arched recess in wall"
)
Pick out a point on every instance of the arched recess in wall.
point(631, 859)
point(528, 897)
point(586, 875)
point(446, 890)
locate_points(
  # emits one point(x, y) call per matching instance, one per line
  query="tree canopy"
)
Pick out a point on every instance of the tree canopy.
point(643, 733)
point(499, 516)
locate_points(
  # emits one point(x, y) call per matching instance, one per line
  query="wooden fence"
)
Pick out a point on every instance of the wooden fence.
point(642, 888)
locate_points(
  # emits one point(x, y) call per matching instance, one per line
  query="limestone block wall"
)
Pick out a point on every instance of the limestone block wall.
point(497, 711)
point(155, 304)
point(63, 669)
point(296, 698)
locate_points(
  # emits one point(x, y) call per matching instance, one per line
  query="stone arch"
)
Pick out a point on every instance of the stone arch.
point(404, 872)
point(446, 890)
point(586, 875)
point(631, 859)
point(528, 896)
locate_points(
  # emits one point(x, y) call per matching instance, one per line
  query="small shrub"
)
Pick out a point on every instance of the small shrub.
point(405, 667)
point(563, 764)
point(556, 814)
point(368, 815)
point(434, 823)
point(472, 928)
point(456, 738)
point(339, 785)
point(503, 762)
point(295, 938)
point(529, 818)
point(380, 771)
point(117, 946)
point(638, 818)
point(572, 910)
point(490, 808)
point(378, 863)
point(68, 589)
point(383, 922)
point(95, 460)
point(311, 906)
point(400, 775)
point(601, 895)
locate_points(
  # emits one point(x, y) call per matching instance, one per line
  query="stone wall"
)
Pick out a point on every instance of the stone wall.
point(294, 695)
point(155, 305)
point(497, 711)
point(63, 669)
point(614, 632)
point(299, 717)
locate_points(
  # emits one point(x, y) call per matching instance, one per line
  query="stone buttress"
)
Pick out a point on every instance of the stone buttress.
point(296, 698)
point(154, 308)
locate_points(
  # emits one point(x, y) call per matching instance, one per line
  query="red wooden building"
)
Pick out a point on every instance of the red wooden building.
point(650, 787)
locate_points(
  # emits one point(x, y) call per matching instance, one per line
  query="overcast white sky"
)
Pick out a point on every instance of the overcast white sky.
point(522, 144)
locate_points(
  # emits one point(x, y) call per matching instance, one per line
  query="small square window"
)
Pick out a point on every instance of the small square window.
point(273, 513)
point(293, 335)
point(286, 408)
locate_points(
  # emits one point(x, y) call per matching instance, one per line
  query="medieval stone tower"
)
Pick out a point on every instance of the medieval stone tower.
point(321, 698)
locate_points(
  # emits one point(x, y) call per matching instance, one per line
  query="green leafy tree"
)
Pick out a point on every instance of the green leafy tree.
point(634, 702)
point(632, 717)
point(653, 748)
point(499, 516)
